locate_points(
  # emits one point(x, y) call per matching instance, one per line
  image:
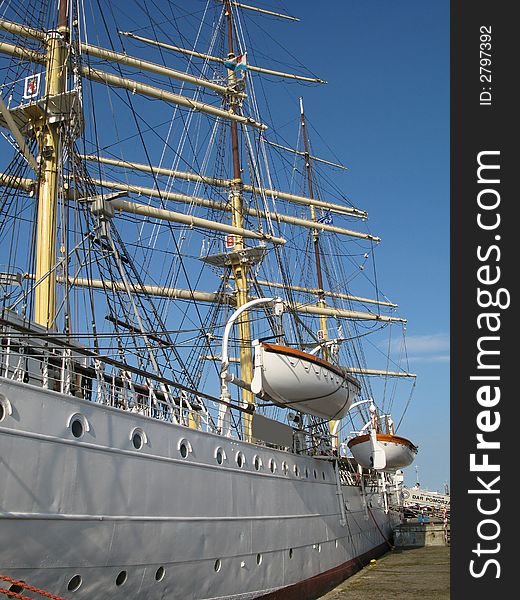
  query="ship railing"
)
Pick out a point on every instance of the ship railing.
point(347, 472)
point(350, 474)
point(38, 362)
point(434, 513)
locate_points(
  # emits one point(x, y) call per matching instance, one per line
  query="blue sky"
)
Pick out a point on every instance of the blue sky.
point(385, 112)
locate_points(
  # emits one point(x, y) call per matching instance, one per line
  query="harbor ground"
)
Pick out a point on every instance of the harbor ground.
point(402, 573)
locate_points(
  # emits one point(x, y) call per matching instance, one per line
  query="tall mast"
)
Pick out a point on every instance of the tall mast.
point(50, 156)
point(315, 232)
point(317, 254)
point(240, 269)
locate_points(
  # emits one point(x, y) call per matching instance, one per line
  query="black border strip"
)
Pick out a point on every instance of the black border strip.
point(483, 123)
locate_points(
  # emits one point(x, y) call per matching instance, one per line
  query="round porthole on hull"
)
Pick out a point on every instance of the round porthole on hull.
point(240, 459)
point(138, 438)
point(74, 583)
point(78, 425)
point(220, 456)
point(17, 589)
point(184, 448)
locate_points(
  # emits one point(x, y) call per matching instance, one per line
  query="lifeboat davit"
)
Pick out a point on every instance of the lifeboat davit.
point(382, 451)
point(301, 381)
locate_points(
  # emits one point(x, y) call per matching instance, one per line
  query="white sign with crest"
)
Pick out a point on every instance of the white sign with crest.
point(32, 86)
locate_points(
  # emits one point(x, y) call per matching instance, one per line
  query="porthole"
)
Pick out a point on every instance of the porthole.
point(217, 566)
point(5, 408)
point(78, 425)
point(138, 438)
point(291, 552)
point(272, 465)
point(240, 459)
point(184, 448)
point(315, 474)
point(285, 468)
point(159, 574)
point(296, 470)
point(258, 559)
point(323, 475)
point(306, 473)
point(220, 456)
point(317, 547)
point(121, 578)
point(77, 428)
point(336, 543)
point(17, 589)
point(74, 583)
point(257, 461)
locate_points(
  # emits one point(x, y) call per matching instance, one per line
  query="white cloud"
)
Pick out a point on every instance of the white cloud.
point(430, 358)
point(428, 344)
point(425, 348)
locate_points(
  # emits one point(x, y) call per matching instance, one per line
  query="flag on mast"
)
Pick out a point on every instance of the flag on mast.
point(326, 219)
point(237, 63)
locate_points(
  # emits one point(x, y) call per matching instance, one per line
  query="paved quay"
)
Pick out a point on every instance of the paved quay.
point(401, 574)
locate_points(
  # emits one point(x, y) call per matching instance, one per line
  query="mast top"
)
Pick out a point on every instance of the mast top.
point(62, 14)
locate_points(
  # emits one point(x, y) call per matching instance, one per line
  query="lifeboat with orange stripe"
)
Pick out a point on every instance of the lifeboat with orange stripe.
point(295, 379)
point(382, 451)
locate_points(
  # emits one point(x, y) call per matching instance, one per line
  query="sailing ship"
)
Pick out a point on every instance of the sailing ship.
point(181, 352)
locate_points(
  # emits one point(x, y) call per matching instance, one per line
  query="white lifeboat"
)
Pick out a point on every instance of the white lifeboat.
point(295, 379)
point(382, 451)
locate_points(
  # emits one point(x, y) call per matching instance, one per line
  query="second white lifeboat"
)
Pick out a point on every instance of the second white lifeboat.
point(382, 451)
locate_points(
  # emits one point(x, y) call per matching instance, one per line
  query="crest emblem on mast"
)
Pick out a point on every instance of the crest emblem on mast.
point(31, 86)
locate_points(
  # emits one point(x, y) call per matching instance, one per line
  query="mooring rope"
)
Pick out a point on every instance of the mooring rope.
point(390, 545)
point(27, 587)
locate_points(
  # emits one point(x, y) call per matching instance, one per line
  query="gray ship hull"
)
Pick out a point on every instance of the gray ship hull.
point(94, 516)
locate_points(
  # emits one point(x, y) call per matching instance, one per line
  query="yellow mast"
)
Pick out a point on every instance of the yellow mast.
point(49, 150)
point(240, 269)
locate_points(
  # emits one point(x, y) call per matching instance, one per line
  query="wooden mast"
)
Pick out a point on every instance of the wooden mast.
point(240, 269)
point(317, 254)
point(315, 232)
point(50, 156)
